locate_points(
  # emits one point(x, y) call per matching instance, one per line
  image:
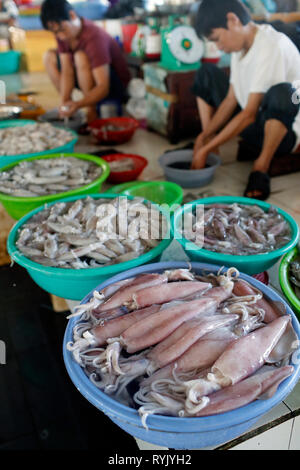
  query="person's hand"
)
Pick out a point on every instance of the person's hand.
point(68, 109)
point(199, 159)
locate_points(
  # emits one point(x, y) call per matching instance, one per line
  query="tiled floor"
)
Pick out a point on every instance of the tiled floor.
point(61, 418)
point(40, 407)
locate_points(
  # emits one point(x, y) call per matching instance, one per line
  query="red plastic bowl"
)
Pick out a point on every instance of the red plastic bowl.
point(262, 277)
point(127, 124)
point(130, 175)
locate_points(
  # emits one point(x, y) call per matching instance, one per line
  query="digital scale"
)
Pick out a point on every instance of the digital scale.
point(181, 47)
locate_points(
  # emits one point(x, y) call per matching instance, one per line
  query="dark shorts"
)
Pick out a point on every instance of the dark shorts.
point(117, 90)
point(212, 84)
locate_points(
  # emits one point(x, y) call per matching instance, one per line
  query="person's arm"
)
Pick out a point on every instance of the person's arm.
point(220, 118)
point(100, 90)
point(242, 120)
point(67, 80)
point(223, 114)
point(98, 93)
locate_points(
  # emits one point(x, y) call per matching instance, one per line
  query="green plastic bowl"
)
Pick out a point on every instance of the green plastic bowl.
point(17, 207)
point(120, 188)
point(159, 192)
point(75, 284)
point(284, 280)
point(251, 264)
point(7, 159)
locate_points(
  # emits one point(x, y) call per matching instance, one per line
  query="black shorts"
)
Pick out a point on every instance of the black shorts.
point(212, 84)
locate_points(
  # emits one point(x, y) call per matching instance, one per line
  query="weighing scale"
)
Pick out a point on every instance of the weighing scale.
point(181, 47)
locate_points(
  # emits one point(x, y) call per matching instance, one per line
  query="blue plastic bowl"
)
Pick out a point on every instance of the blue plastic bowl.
point(7, 159)
point(74, 284)
point(172, 432)
point(251, 264)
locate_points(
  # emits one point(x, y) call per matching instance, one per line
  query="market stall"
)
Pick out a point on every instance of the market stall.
point(121, 259)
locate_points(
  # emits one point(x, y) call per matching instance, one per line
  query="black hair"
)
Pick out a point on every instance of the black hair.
point(55, 11)
point(213, 14)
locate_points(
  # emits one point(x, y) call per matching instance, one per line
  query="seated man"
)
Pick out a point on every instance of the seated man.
point(87, 58)
point(258, 102)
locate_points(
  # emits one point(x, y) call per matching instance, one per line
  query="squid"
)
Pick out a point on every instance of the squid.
point(193, 345)
point(166, 293)
point(252, 352)
point(260, 385)
point(242, 288)
point(125, 293)
point(184, 337)
point(201, 355)
point(226, 378)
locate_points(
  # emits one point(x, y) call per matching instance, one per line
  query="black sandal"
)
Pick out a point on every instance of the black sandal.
point(260, 182)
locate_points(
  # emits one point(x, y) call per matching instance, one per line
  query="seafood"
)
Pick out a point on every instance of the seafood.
point(112, 128)
point(294, 272)
point(237, 229)
point(32, 138)
point(125, 164)
point(42, 177)
point(90, 233)
point(192, 352)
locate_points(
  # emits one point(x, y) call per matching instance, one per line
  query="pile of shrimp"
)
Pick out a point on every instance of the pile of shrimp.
point(180, 344)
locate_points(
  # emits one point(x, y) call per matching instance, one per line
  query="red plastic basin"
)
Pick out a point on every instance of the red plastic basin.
point(262, 277)
point(103, 135)
point(129, 175)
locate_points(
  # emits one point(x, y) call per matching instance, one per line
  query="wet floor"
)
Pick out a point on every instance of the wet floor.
point(40, 407)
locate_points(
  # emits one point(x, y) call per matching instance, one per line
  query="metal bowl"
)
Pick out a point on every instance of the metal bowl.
point(9, 112)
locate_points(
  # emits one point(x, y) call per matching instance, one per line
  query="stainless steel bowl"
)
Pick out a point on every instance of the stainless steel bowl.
point(9, 112)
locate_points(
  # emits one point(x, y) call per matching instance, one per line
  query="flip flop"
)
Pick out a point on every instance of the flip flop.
point(258, 182)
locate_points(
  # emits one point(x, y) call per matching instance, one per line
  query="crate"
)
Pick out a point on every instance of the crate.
point(9, 62)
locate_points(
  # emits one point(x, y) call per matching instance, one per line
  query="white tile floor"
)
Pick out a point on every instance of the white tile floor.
point(230, 179)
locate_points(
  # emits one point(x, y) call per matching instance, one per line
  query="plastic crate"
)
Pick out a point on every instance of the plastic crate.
point(9, 62)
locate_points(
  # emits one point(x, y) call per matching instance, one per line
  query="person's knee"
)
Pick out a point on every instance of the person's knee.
point(279, 105)
point(280, 98)
point(81, 60)
point(50, 58)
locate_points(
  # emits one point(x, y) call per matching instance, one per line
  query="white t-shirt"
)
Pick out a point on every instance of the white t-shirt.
point(273, 58)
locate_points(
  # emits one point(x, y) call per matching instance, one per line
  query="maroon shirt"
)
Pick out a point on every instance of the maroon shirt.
point(100, 48)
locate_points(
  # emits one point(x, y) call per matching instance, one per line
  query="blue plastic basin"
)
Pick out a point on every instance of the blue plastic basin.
point(74, 284)
point(172, 432)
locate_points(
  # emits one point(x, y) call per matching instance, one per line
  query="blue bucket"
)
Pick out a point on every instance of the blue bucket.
point(173, 432)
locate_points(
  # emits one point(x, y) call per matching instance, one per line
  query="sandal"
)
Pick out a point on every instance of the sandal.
point(258, 182)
